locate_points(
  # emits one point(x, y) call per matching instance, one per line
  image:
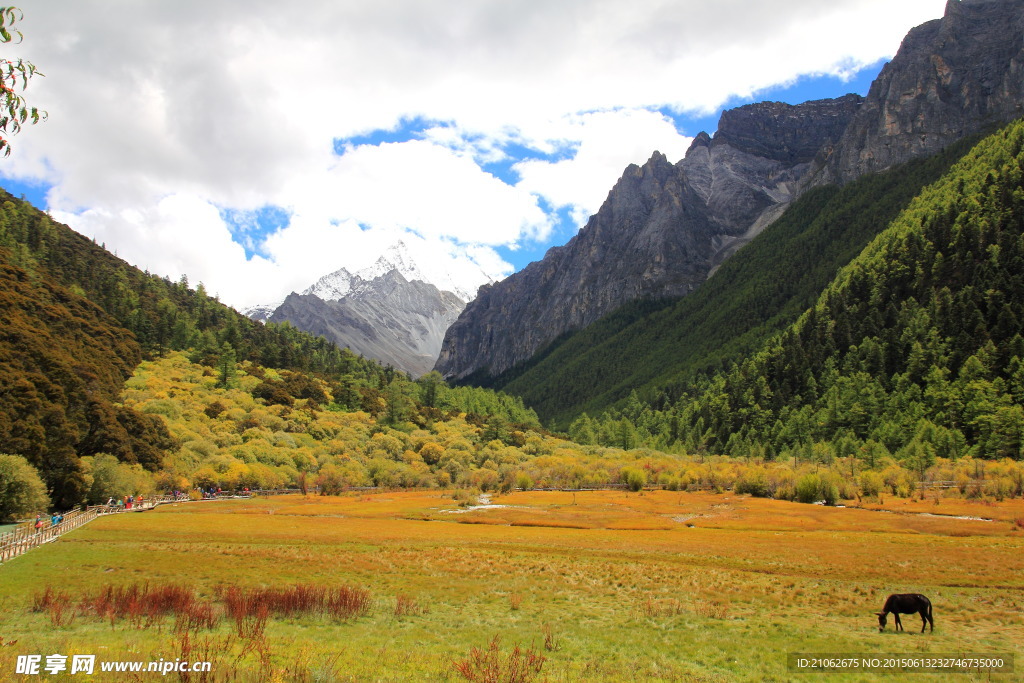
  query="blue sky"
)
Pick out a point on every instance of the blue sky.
point(256, 154)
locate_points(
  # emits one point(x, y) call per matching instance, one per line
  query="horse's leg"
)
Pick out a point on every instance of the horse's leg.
point(899, 624)
point(924, 619)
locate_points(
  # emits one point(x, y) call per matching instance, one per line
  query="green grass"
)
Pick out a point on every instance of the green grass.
point(723, 600)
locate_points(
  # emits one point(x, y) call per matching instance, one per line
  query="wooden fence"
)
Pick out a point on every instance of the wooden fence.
point(976, 484)
point(26, 536)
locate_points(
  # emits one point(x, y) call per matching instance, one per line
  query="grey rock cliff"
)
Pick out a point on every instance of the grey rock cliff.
point(661, 230)
point(952, 77)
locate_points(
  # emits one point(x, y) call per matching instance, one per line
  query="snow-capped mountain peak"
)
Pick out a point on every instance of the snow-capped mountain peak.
point(332, 287)
point(261, 312)
point(395, 258)
point(343, 282)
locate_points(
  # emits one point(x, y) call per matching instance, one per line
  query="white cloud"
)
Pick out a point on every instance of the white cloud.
point(425, 187)
point(608, 142)
point(162, 112)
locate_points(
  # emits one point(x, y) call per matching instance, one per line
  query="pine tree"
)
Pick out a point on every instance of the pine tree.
point(226, 366)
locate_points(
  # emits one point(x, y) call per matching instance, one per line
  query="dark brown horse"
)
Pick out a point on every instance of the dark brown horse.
point(906, 603)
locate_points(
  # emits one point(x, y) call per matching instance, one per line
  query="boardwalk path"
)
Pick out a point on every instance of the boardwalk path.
point(25, 536)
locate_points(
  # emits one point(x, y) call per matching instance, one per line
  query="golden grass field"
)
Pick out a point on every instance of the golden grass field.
point(606, 586)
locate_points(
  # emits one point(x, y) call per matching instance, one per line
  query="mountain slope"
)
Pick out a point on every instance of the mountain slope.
point(75, 321)
point(389, 311)
point(736, 310)
point(916, 346)
point(161, 314)
point(63, 362)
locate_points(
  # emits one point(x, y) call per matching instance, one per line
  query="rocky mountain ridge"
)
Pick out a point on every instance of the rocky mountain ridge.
point(952, 77)
point(665, 227)
point(387, 311)
point(389, 318)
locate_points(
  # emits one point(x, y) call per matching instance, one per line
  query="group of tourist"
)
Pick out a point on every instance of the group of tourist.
point(55, 520)
point(125, 503)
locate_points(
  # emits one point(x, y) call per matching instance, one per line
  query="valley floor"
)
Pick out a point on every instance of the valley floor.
point(602, 585)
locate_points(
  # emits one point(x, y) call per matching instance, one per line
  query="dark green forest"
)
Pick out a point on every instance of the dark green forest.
point(914, 349)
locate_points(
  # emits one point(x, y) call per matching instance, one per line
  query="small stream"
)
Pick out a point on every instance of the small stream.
point(927, 514)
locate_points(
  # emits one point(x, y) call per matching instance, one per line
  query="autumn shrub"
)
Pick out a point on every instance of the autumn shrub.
point(712, 609)
point(57, 605)
point(465, 497)
point(871, 483)
point(551, 641)
point(330, 480)
point(406, 606)
point(485, 478)
point(273, 392)
point(818, 486)
point(999, 488)
point(723, 476)
point(652, 608)
point(493, 666)
point(140, 605)
point(808, 488)
point(634, 479)
point(168, 408)
point(195, 616)
point(782, 481)
point(214, 409)
point(785, 491)
point(899, 481)
point(962, 480)
point(349, 602)
point(431, 452)
point(754, 481)
point(668, 481)
point(689, 480)
point(342, 602)
point(845, 486)
point(831, 483)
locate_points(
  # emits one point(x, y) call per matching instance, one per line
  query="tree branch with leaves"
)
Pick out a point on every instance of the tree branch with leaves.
point(14, 110)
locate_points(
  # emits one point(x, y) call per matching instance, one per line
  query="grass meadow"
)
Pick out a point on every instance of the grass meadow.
point(555, 586)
